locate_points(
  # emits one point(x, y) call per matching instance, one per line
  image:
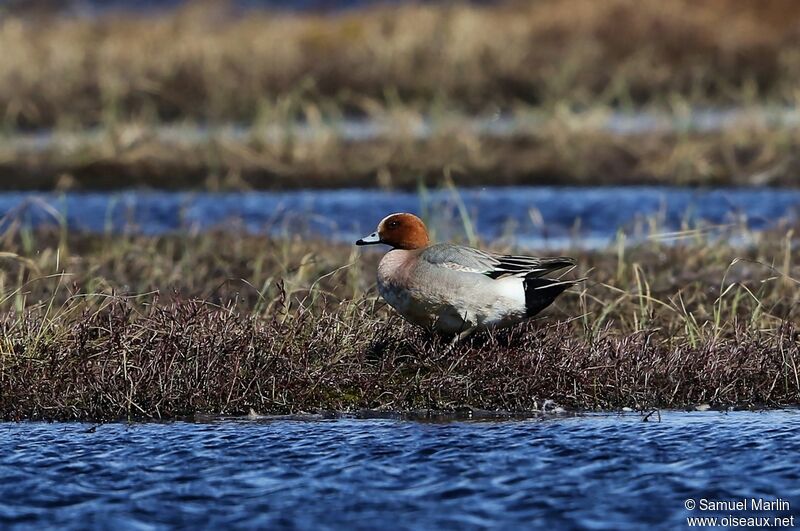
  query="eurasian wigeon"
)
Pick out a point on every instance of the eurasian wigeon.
point(454, 289)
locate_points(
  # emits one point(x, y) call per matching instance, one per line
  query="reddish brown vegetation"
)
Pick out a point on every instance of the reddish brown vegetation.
point(278, 331)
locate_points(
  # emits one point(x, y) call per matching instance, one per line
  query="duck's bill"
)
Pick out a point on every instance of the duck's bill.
point(369, 240)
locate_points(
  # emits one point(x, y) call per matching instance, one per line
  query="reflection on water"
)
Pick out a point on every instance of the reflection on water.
point(598, 471)
point(532, 217)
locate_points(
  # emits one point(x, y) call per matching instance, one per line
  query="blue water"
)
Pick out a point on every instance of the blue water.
point(526, 216)
point(596, 471)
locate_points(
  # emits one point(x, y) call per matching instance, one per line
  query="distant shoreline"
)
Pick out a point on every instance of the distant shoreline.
point(707, 148)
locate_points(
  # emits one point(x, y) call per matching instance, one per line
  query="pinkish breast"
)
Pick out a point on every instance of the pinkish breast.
point(395, 268)
point(394, 276)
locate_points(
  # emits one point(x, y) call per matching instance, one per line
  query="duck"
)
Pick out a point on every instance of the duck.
point(456, 290)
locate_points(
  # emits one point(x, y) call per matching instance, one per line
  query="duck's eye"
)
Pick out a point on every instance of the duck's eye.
point(393, 224)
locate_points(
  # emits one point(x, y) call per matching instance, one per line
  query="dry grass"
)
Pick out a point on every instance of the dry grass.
point(203, 63)
point(240, 322)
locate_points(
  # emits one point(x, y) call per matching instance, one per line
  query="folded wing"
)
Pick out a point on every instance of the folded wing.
point(493, 265)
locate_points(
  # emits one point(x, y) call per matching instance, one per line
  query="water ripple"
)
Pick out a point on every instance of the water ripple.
point(598, 471)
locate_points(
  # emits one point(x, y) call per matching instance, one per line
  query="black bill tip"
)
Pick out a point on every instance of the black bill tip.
point(369, 240)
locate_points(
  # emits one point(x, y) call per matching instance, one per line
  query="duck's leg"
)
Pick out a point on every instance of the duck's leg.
point(465, 334)
point(461, 336)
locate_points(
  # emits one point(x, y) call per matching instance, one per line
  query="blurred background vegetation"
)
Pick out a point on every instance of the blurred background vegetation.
point(555, 73)
point(212, 61)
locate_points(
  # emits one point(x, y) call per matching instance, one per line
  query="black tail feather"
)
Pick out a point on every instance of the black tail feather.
point(541, 292)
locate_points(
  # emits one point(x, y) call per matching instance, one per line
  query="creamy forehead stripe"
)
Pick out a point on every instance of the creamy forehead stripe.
point(389, 216)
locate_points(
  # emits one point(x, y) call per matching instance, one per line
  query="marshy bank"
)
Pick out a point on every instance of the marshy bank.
point(109, 327)
point(168, 319)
